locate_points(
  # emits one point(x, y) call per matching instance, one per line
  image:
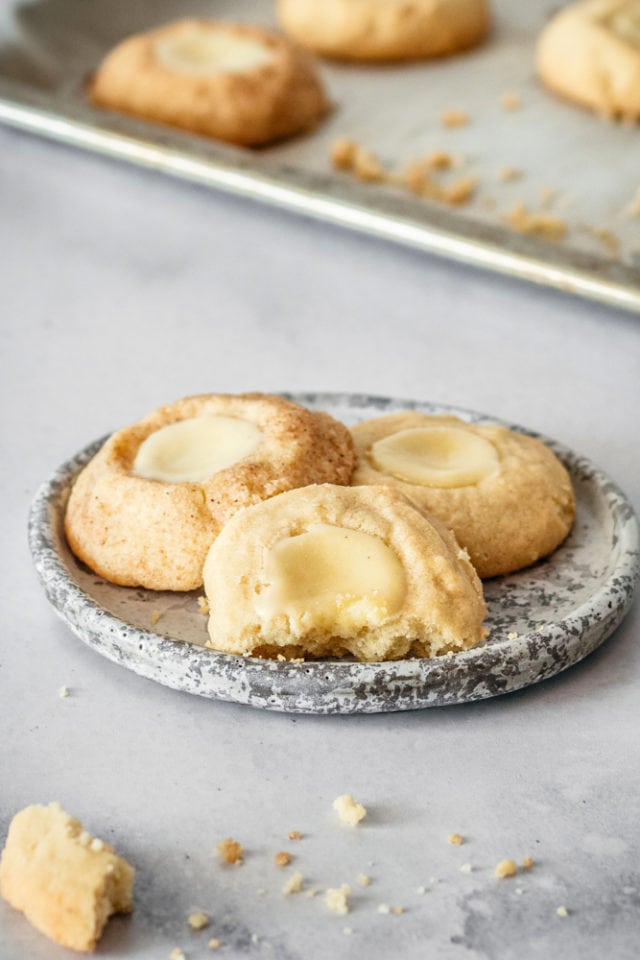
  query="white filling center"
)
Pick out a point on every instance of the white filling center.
point(192, 450)
point(339, 579)
point(197, 50)
point(435, 456)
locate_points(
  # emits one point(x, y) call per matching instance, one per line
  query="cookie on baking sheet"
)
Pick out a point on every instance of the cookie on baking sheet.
point(506, 497)
point(590, 53)
point(234, 82)
point(146, 508)
point(66, 882)
point(384, 29)
point(327, 571)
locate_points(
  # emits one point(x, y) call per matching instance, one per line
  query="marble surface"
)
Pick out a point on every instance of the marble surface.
point(122, 289)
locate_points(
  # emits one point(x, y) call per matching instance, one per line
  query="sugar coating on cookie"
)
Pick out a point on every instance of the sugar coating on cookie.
point(66, 882)
point(384, 30)
point(590, 53)
point(234, 82)
point(147, 507)
point(506, 497)
point(327, 571)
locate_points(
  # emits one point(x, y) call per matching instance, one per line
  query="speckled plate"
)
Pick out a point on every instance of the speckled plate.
point(541, 620)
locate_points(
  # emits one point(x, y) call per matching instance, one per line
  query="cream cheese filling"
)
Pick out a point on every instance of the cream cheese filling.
point(338, 580)
point(196, 51)
point(192, 450)
point(435, 456)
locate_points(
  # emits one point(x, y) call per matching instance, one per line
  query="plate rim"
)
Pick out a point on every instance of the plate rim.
point(597, 608)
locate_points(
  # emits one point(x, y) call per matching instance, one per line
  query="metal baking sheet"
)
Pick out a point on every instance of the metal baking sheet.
point(50, 47)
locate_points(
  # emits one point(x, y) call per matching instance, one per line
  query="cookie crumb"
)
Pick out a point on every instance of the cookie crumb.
point(63, 692)
point(518, 891)
point(438, 160)
point(349, 811)
point(455, 839)
point(527, 863)
point(367, 167)
point(347, 931)
point(608, 239)
point(203, 606)
point(509, 174)
point(342, 153)
point(562, 912)
point(155, 616)
point(510, 101)
point(542, 224)
point(466, 868)
point(294, 835)
point(336, 899)
point(312, 892)
point(512, 635)
point(421, 889)
point(294, 884)
point(177, 954)
point(506, 868)
point(397, 911)
point(454, 118)
point(384, 908)
point(230, 851)
point(460, 191)
point(282, 859)
point(214, 943)
point(364, 879)
point(198, 920)
point(255, 938)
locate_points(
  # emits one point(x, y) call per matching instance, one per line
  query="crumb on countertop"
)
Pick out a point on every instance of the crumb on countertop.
point(177, 954)
point(506, 868)
point(214, 943)
point(230, 850)
point(527, 863)
point(364, 879)
point(198, 920)
point(466, 868)
point(455, 839)
point(349, 811)
point(294, 835)
point(454, 118)
point(63, 692)
point(541, 224)
point(336, 899)
point(562, 911)
point(512, 635)
point(282, 859)
point(294, 884)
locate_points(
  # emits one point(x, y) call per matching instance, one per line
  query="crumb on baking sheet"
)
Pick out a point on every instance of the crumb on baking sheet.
point(460, 191)
point(364, 879)
point(336, 899)
point(342, 153)
point(540, 224)
point(282, 859)
point(294, 835)
point(454, 118)
point(349, 811)
point(510, 101)
point(455, 839)
point(438, 160)
point(527, 863)
point(203, 606)
point(198, 920)
point(230, 851)
point(609, 241)
point(367, 167)
point(509, 174)
point(506, 868)
point(294, 884)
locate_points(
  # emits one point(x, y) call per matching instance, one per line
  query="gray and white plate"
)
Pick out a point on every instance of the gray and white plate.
point(541, 620)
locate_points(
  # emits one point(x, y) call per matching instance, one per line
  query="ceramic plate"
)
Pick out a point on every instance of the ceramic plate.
point(541, 620)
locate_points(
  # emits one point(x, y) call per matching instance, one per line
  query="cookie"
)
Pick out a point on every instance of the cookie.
point(327, 571)
point(384, 30)
point(232, 82)
point(147, 507)
point(66, 882)
point(590, 53)
point(506, 497)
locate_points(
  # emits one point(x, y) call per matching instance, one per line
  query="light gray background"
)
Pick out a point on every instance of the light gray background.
point(122, 290)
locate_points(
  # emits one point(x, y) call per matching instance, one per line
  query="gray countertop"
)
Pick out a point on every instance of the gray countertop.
point(122, 290)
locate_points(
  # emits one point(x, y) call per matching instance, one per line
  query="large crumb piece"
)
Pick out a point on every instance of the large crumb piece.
point(454, 118)
point(198, 920)
point(66, 882)
point(294, 835)
point(541, 224)
point(367, 167)
point(460, 191)
point(293, 884)
point(506, 868)
point(336, 899)
point(230, 850)
point(282, 859)
point(349, 810)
